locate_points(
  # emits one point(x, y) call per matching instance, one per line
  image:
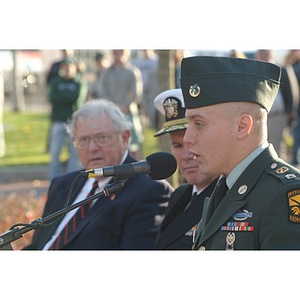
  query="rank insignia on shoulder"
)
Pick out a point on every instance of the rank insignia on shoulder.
point(294, 205)
point(282, 170)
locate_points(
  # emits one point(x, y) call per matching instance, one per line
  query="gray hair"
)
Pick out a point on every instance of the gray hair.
point(96, 108)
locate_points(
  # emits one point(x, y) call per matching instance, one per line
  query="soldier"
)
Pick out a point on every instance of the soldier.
point(227, 101)
point(178, 228)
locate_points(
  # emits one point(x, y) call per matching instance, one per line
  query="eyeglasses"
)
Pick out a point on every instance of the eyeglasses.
point(100, 139)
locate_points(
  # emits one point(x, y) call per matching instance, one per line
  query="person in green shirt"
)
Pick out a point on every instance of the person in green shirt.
point(67, 92)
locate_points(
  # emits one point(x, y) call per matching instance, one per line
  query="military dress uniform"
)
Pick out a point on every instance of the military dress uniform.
point(179, 226)
point(261, 209)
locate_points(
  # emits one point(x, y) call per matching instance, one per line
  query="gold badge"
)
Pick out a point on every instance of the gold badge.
point(294, 206)
point(282, 170)
point(194, 90)
point(171, 108)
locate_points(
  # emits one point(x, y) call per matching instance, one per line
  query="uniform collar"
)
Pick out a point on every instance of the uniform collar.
point(240, 168)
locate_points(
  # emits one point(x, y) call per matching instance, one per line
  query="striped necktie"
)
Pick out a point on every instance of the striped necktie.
point(71, 226)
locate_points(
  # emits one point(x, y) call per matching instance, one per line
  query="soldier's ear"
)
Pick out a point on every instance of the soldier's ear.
point(245, 125)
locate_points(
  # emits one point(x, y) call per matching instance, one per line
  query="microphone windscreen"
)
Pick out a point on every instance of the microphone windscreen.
point(162, 165)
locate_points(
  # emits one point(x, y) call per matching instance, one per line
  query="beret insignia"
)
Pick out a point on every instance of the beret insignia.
point(194, 90)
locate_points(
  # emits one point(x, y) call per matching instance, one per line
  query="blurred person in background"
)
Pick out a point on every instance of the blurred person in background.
point(122, 84)
point(278, 115)
point(237, 54)
point(147, 62)
point(184, 211)
point(67, 92)
point(126, 219)
point(179, 55)
point(54, 69)
point(290, 84)
point(102, 63)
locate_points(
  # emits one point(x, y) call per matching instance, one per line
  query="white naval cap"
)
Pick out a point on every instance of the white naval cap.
point(170, 103)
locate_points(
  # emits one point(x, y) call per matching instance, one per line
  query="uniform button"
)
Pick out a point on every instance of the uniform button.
point(273, 166)
point(242, 189)
point(202, 247)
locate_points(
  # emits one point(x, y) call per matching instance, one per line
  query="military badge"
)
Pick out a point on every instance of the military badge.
point(294, 206)
point(282, 170)
point(242, 215)
point(230, 239)
point(194, 90)
point(290, 176)
point(191, 231)
point(171, 108)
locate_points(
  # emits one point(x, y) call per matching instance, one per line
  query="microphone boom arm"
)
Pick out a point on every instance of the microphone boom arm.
point(16, 233)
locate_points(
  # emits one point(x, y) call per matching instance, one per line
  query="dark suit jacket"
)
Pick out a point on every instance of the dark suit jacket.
point(267, 197)
point(177, 229)
point(129, 221)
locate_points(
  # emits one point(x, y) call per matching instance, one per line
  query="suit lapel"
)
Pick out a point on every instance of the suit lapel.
point(188, 218)
point(99, 206)
point(226, 209)
point(176, 227)
point(62, 195)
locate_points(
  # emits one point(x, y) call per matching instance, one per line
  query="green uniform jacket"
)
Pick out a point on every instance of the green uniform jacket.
point(261, 210)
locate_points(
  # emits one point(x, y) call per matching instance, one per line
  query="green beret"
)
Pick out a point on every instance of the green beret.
point(209, 80)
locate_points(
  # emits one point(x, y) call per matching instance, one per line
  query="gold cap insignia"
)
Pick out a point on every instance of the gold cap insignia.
point(171, 108)
point(194, 90)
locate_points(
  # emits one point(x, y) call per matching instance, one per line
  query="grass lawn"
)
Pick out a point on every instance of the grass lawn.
point(26, 140)
point(26, 136)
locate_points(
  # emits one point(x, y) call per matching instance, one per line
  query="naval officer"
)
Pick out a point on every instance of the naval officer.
point(256, 203)
point(178, 229)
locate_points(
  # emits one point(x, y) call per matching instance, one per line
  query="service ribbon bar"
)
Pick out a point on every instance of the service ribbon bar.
point(237, 226)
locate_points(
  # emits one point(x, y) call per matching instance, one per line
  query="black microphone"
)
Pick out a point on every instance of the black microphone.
point(158, 166)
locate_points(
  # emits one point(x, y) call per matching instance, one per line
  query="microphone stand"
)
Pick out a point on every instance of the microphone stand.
point(16, 233)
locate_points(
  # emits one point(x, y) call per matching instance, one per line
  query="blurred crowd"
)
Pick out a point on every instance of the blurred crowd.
point(132, 83)
point(283, 119)
point(130, 79)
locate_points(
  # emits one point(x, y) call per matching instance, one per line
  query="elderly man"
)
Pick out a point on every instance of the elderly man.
point(127, 219)
point(256, 204)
